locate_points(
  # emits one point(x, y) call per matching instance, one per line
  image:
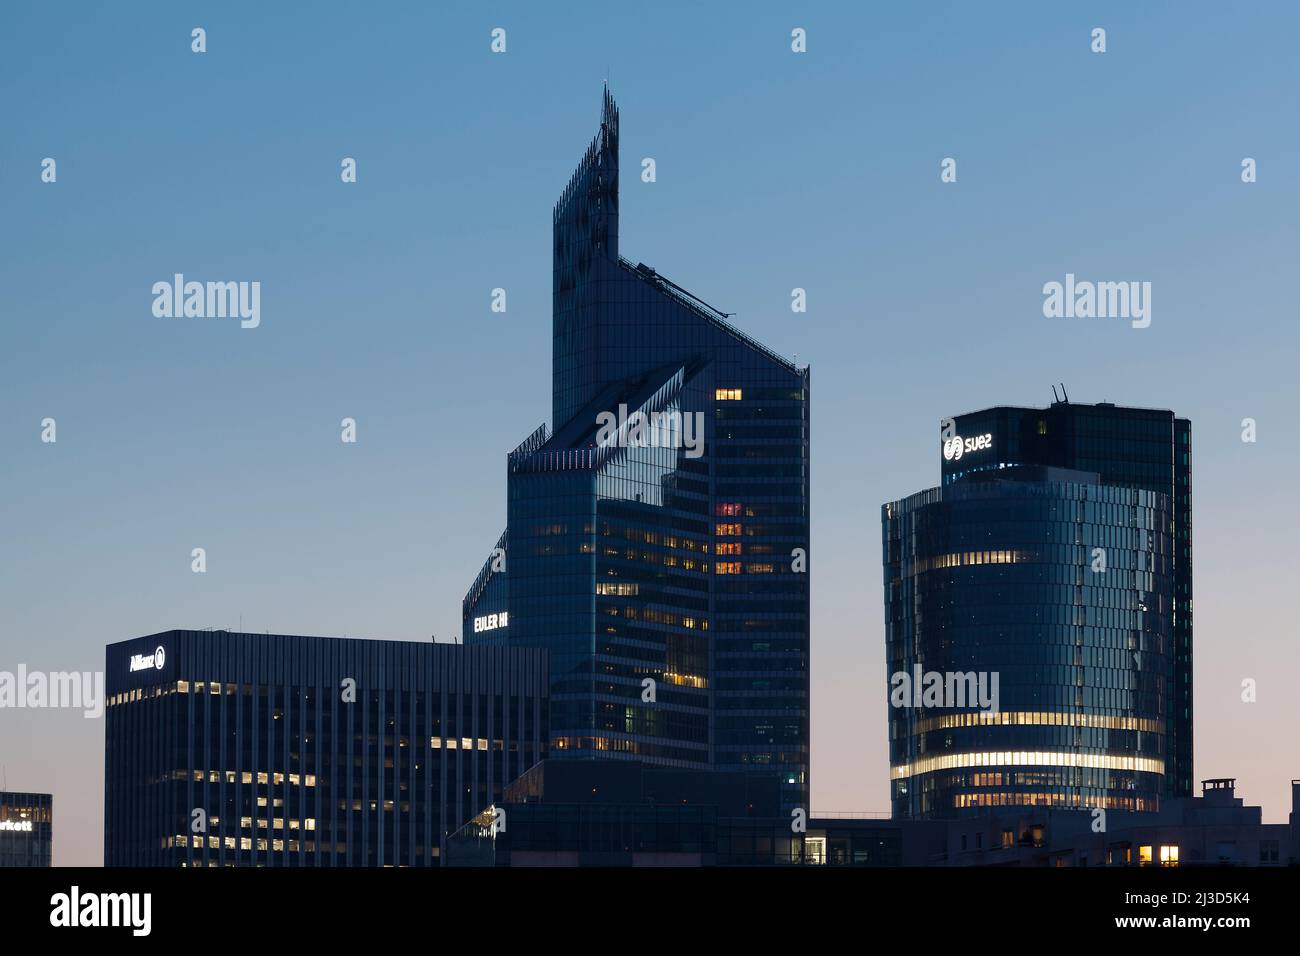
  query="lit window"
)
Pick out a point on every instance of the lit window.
point(728, 394)
point(1168, 855)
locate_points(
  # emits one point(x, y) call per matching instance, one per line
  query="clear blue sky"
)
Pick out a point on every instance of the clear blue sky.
point(775, 170)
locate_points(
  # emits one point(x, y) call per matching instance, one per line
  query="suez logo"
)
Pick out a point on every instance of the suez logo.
point(156, 660)
point(491, 622)
point(956, 446)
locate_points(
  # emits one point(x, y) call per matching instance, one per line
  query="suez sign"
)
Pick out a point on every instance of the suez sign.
point(491, 622)
point(143, 662)
point(954, 445)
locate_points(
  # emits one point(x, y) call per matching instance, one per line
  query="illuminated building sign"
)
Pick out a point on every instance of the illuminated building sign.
point(956, 446)
point(491, 622)
point(142, 662)
point(21, 826)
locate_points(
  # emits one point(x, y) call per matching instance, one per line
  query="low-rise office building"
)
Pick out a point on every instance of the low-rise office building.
point(595, 813)
point(1214, 829)
point(625, 813)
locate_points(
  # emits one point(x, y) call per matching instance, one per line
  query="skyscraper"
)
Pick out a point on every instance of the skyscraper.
point(1145, 448)
point(656, 539)
point(1056, 553)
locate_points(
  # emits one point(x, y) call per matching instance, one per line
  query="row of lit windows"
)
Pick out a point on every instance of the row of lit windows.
point(656, 616)
point(734, 567)
point(983, 718)
point(244, 843)
point(654, 557)
point(1033, 758)
point(728, 394)
point(27, 814)
point(686, 680)
point(309, 779)
point(654, 537)
point(246, 776)
point(1071, 800)
point(275, 823)
point(466, 743)
point(964, 558)
point(680, 755)
point(619, 589)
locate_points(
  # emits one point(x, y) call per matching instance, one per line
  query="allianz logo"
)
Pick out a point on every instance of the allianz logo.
point(956, 446)
point(142, 662)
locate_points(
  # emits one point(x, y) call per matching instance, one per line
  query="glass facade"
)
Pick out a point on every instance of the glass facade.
point(225, 749)
point(663, 567)
point(26, 829)
point(1144, 448)
point(1061, 588)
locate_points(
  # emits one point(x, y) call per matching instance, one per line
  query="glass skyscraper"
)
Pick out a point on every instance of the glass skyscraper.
point(656, 539)
point(1057, 554)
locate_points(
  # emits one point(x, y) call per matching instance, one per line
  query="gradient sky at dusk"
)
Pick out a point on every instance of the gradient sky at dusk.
point(775, 170)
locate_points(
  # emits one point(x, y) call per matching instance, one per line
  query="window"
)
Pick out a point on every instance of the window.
point(727, 394)
point(1168, 855)
point(1144, 856)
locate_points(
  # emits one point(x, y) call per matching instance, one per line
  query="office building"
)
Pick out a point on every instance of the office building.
point(656, 542)
point(567, 813)
point(232, 749)
point(1214, 829)
point(1047, 560)
point(26, 829)
point(1144, 448)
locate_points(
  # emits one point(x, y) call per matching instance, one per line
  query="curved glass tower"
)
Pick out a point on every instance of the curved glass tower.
point(1053, 591)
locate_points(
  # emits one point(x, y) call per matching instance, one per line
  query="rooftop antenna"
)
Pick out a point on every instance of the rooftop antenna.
point(1055, 397)
point(1065, 393)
